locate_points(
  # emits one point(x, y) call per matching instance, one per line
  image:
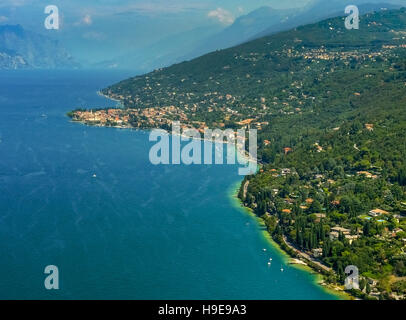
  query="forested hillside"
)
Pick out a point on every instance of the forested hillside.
point(330, 107)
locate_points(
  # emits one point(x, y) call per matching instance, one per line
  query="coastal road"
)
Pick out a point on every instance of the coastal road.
point(246, 188)
point(306, 256)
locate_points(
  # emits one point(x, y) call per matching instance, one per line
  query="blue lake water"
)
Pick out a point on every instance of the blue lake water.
point(136, 231)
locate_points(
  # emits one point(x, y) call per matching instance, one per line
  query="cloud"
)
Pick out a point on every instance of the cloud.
point(87, 19)
point(3, 19)
point(222, 15)
point(84, 21)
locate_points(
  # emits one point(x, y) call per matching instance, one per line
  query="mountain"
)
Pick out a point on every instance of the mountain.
point(22, 49)
point(11, 60)
point(320, 10)
point(244, 28)
point(162, 53)
point(264, 21)
point(199, 41)
point(317, 75)
point(191, 44)
point(259, 66)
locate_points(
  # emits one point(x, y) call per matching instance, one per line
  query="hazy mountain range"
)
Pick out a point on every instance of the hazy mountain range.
point(22, 49)
point(321, 10)
point(258, 23)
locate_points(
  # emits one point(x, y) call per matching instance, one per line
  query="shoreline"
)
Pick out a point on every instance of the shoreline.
point(99, 93)
point(317, 277)
point(244, 154)
point(246, 157)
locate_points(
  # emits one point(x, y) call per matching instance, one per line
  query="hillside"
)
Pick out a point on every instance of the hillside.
point(330, 108)
point(260, 73)
point(244, 28)
point(321, 10)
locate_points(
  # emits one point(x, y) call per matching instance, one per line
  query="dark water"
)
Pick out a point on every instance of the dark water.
point(136, 231)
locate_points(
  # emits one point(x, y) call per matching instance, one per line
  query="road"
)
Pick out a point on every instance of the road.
point(306, 256)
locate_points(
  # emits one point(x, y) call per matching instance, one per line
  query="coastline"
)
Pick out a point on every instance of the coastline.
point(317, 278)
point(245, 156)
point(99, 93)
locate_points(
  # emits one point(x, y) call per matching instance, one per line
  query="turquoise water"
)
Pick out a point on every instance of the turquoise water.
point(136, 231)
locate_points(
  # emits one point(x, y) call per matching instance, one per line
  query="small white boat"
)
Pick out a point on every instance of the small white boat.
point(269, 263)
point(281, 269)
point(270, 259)
point(94, 176)
point(264, 250)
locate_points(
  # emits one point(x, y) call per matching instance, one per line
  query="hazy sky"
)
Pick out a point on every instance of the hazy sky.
point(86, 25)
point(224, 11)
point(99, 28)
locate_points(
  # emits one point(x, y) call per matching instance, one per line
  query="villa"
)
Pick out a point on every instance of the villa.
point(377, 212)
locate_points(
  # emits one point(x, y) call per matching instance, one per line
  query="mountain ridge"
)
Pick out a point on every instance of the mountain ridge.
point(22, 49)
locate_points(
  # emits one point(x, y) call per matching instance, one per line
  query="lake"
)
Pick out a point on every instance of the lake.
point(88, 200)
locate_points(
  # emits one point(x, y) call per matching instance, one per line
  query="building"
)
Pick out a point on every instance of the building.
point(319, 216)
point(334, 235)
point(309, 201)
point(286, 171)
point(377, 212)
point(287, 150)
point(365, 173)
point(369, 126)
point(317, 253)
point(351, 238)
point(342, 230)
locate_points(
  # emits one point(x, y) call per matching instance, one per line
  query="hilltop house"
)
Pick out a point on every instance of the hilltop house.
point(377, 212)
point(286, 171)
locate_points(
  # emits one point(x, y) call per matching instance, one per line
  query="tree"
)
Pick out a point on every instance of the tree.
point(368, 288)
point(362, 284)
point(315, 207)
point(402, 177)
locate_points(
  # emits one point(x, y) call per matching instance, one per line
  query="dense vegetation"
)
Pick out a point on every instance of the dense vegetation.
point(330, 105)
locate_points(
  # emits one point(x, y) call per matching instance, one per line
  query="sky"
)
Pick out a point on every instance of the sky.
point(77, 13)
point(99, 28)
point(87, 25)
